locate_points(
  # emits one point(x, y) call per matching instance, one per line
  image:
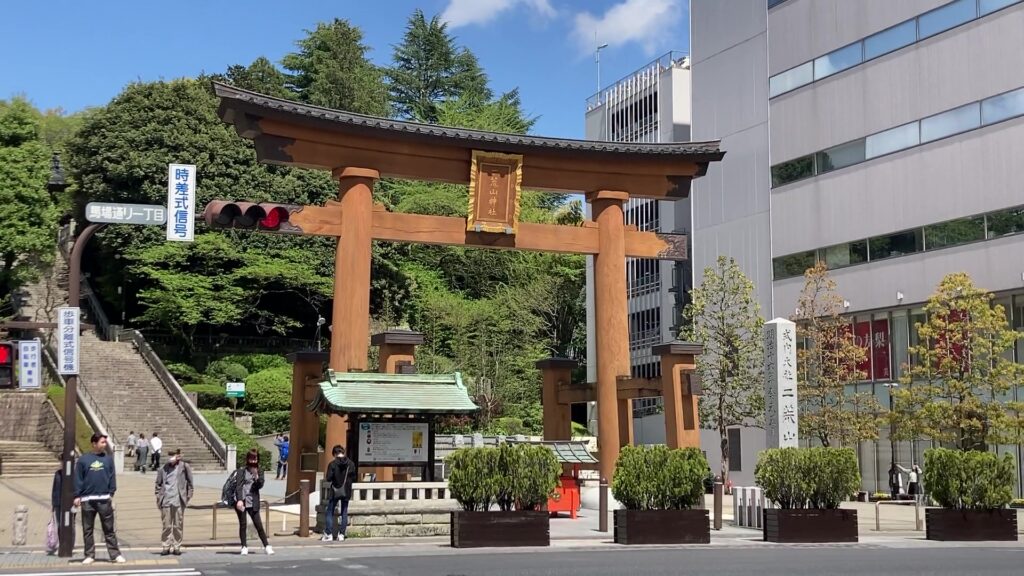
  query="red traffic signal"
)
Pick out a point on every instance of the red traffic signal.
point(6, 364)
point(248, 215)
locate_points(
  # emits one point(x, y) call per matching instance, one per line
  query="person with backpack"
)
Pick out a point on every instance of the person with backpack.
point(248, 481)
point(341, 473)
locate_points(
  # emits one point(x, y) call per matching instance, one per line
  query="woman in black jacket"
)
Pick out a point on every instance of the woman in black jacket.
point(247, 500)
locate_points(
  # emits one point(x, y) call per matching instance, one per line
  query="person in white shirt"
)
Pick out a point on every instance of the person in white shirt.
point(155, 444)
point(914, 485)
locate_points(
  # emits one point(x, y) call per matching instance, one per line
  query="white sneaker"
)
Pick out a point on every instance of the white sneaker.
point(88, 561)
point(119, 560)
point(270, 550)
point(341, 537)
point(245, 551)
point(326, 538)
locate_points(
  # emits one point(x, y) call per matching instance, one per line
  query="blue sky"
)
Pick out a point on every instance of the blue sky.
point(74, 53)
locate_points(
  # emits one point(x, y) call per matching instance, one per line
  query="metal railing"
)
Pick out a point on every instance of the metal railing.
point(672, 59)
point(192, 413)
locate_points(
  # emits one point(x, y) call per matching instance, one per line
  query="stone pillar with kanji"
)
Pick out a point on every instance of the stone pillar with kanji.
point(781, 422)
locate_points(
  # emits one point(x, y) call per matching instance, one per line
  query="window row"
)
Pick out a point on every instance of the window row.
point(926, 238)
point(962, 119)
point(889, 40)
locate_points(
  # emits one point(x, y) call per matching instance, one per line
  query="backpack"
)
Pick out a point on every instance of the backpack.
point(227, 493)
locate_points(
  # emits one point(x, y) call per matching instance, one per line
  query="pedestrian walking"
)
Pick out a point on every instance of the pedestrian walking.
point(95, 485)
point(341, 473)
point(247, 501)
point(914, 482)
point(155, 444)
point(141, 453)
point(173, 492)
point(283, 447)
point(130, 445)
point(895, 481)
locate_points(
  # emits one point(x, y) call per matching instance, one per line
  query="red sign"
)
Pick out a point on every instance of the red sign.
point(873, 337)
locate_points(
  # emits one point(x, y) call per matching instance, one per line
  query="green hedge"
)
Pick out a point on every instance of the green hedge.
point(269, 390)
point(819, 478)
point(83, 432)
point(657, 478)
point(226, 371)
point(257, 362)
point(514, 476)
point(969, 480)
point(264, 423)
point(230, 434)
point(209, 396)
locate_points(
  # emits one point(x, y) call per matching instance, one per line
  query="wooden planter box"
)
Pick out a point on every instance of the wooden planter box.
point(662, 527)
point(970, 525)
point(500, 529)
point(810, 525)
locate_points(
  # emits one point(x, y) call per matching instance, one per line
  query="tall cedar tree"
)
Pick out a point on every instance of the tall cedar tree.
point(260, 76)
point(827, 365)
point(331, 69)
point(959, 389)
point(726, 319)
point(430, 69)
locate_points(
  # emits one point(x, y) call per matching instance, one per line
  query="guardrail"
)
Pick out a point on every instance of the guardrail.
point(192, 413)
point(917, 512)
point(748, 505)
point(217, 505)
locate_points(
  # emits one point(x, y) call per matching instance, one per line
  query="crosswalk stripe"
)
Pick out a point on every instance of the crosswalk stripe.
point(127, 572)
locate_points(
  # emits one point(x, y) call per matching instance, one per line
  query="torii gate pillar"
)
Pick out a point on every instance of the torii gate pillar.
point(680, 392)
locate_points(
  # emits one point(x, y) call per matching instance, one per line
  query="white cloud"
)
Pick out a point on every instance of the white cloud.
point(469, 12)
point(648, 23)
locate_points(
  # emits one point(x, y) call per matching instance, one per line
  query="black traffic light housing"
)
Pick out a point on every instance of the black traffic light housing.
point(6, 364)
point(267, 217)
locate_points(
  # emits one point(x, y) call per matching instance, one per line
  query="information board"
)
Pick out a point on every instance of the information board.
point(393, 442)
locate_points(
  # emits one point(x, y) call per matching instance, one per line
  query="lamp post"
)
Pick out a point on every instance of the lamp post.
point(597, 60)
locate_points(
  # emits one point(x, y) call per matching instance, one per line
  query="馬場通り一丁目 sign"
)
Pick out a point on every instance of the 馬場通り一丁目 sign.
point(181, 202)
point(117, 213)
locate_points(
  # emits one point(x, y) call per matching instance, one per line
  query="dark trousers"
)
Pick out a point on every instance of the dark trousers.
point(156, 460)
point(282, 468)
point(105, 510)
point(331, 527)
point(242, 528)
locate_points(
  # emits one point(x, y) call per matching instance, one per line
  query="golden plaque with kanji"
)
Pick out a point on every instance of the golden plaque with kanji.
point(494, 186)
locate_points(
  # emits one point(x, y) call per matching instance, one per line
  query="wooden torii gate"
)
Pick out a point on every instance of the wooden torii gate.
point(358, 150)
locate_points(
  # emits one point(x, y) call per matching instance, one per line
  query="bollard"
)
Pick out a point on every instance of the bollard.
point(602, 525)
point(20, 534)
point(304, 508)
point(214, 535)
point(719, 496)
point(917, 516)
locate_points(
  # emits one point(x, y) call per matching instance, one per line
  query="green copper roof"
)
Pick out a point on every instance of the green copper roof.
point(373, 393)
point(567, 451)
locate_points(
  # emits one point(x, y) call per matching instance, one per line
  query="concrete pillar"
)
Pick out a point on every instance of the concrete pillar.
point(304, 432)
point(680, 393)
point(611, 324)
point(396, 347)
point(350, 318)
point(556, 372)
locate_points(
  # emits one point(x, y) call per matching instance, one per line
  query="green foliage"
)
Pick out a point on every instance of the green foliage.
point(83, 432)
point(209, 396)
point(230, 434)
point(184, 373)
point(579, 430)
point(260, 76)
point(473, 481)
point(969, 479)
point(269, 390)
point(264, 423)
point(657, 478)
point(257, 362)
point(514, 476)
point(724, 316)
point(227, 371)
point(818, 478)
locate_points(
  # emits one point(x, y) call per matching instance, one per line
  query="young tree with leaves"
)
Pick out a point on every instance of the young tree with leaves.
point(827, 366)
point(724, 316)
point(959, 390)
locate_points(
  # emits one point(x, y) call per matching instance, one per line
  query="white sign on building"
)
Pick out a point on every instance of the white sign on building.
point(393, 442)
point(781, 422)
point(29, 365)
point(181, 202)
point(67, 347)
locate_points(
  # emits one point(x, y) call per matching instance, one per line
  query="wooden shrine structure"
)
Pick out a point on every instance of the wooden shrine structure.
point(359, 149)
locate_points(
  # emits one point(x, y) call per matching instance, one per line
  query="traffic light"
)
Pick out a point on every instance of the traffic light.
point(6, 364)
point(248, 215)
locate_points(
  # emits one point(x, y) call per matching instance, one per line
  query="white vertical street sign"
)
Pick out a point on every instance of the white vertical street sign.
point(29, 364)
point(781, 423)
point(67, 349)
point(181, 202)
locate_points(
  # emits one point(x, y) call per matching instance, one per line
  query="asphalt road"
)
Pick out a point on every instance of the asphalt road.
point(629, 562)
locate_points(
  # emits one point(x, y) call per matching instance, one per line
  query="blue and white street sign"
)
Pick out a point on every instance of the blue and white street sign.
point(181, 202)
point(29, 365)
point(67, 346)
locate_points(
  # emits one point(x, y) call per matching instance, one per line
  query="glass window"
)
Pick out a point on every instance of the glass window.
point(953, 233)
point(792, 171)
point(999, 108)
point(892, 39)
point(952, 122)
point(1005, 222)
point(900, 338)
point(841, 156)
point(793, 265)
point(1018, 325)
point(893, 139)
point(791, 79)
point(949, 16)
point(846, 57)
point(843, 255)
point(990, 6)
point(893, 245)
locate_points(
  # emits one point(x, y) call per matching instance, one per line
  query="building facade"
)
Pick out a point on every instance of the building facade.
point(880, 137)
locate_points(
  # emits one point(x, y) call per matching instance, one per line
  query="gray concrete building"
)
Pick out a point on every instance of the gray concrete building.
point(882, 137)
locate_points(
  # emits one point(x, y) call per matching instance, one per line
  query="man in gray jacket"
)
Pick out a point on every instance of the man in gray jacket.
point(173, 491)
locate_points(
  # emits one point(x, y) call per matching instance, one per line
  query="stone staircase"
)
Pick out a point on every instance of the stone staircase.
point(26, 459)
point(32, 434)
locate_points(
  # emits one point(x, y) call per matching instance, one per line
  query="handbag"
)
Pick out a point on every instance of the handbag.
point(51, 535)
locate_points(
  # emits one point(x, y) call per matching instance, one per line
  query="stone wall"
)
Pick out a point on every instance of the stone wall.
point(397, 519)
point(35, 417)
point(51, 428)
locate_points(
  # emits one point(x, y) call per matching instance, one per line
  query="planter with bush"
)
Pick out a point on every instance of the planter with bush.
point(661, 491)
point(518, 478)
point(973, 490)
point(808, 485)
point(1017, 504)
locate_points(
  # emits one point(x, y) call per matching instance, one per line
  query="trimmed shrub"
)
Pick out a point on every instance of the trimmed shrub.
point(225, 371)
point(515, 476)
point(209, 396)
point(269, 390)
point(183, 373)
point(969, 480)
point(836, 476)
point(264, 423)
point(657, 478)
point(819, 478)
point(230, 434)
point(257, 362)
point(472, 481)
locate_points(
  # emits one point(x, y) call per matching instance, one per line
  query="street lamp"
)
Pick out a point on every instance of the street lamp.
point(597, 60)
point(892, 386)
